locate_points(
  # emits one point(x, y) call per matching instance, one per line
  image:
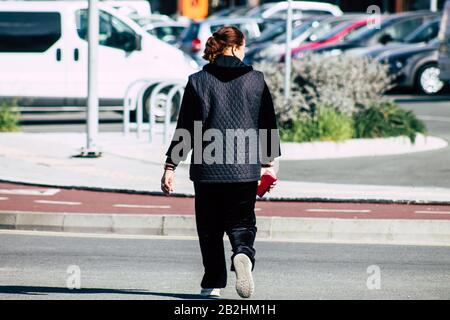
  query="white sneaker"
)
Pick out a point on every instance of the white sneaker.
point(244, 278)
point(210, 292)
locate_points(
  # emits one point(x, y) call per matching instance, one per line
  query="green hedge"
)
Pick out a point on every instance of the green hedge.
point(9, 116)
point(378, 120)
point(327, 125)
point(386, 120)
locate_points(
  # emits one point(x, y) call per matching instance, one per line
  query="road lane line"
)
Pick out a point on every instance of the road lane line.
point(69, 203)
point(258, 209)
point(4, 198)
point(142, 206)
point(30, 192)
point(339, 210)
point(432, 212)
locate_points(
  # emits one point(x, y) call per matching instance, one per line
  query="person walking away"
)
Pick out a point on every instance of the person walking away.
point(227, 95)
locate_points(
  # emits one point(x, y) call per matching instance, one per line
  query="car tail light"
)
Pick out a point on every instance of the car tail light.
point(196, 45)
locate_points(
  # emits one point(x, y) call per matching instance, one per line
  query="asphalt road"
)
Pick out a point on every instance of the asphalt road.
point(35, 267)
point(424, 169)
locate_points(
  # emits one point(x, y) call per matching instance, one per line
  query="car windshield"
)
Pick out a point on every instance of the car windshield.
point(257, 11)
point(295, 32)
point(365, 32)
point(167, 33)
point(424, 33)
point(246, 26)
point(190, 32)
point(272, 32)
point(240, 12)
point(324, 28)
point(340, 28)
point(334, 31)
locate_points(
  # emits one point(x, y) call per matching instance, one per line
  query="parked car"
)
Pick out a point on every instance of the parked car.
point(166, 31)
point(299, 9)
point(236, 11)
point(415, 67)
point(193, 39)
point(423, 34)
point(269, 34)
point(146, 21)
point(131, 7)
point(336, 34)
point(44, 54)
point(390, 29)
point(444, 44)
point(309, 30)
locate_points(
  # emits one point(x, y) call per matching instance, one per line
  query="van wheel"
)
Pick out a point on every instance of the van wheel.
point(427, 79)
point(160, 107)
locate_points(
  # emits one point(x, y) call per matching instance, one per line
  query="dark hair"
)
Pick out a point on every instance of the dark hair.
point(222, 39)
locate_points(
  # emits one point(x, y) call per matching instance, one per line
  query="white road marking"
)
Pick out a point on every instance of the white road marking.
point(4, 198)
point(142, 206)
point(69, 203)
point(338, 210)
point(433, 212)
point(30, 192)
point(258, 209)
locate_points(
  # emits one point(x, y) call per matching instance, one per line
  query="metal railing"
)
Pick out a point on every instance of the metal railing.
point(134, 102)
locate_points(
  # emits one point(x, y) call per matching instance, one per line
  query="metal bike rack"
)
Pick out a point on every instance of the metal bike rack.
point(134, 101)
point(179, 88)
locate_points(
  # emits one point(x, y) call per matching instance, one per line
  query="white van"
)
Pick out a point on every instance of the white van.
point(44, 52)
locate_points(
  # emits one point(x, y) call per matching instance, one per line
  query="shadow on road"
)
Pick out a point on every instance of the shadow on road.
point(38, 291)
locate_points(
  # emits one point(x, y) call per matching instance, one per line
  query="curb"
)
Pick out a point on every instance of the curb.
point(414, 98)
point(354, 148)
point(380, 231)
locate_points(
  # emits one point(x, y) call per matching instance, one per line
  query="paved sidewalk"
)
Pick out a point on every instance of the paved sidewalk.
point(136, 165)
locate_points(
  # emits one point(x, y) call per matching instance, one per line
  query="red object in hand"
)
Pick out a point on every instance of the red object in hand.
point(267, 180)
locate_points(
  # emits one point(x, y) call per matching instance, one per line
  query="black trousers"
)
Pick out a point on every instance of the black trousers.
point(220, 208)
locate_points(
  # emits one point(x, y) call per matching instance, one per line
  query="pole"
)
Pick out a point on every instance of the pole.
point(433, 5)
point(92, 101)
point(287, 60)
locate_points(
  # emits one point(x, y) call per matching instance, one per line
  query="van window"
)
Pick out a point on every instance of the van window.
point(29, 31)
point(113, 32)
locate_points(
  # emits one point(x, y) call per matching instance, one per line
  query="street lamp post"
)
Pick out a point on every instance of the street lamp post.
point(288, 55)
point(92, 149)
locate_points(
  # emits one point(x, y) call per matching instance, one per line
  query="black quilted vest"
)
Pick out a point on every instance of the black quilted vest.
point(229, 97)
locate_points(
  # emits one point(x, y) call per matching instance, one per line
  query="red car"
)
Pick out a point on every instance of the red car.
point(336, 34)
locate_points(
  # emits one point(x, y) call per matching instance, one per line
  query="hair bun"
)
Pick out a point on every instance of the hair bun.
point(220, 40)
point(218, 36)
